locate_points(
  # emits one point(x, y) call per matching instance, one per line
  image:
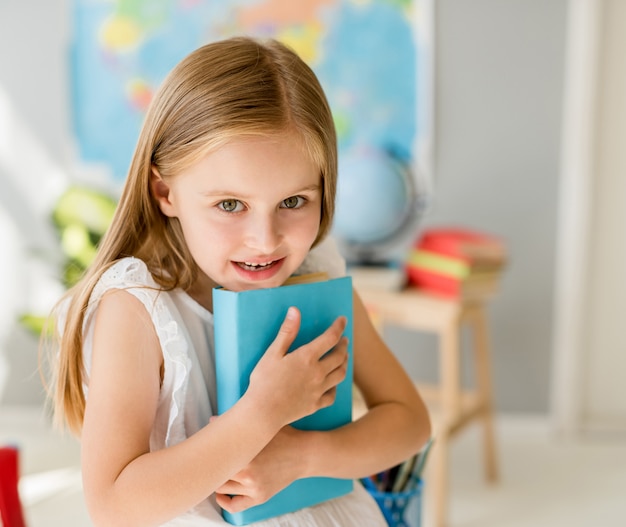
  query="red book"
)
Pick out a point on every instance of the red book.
point(464, 244)
point(478, 286)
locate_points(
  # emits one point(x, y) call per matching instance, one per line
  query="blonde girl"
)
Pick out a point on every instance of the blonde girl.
point(232, 183)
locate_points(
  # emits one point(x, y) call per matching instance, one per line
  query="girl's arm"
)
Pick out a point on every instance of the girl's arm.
point(395, 427)
point(125, 483)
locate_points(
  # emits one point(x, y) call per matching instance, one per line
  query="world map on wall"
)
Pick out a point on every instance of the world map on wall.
point(365, 53)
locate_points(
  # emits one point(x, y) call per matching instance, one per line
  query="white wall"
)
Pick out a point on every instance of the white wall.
point(589, 394)
point(604, 390)
point(498, 92)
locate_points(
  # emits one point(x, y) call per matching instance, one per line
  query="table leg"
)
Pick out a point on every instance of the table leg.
point(482, 361)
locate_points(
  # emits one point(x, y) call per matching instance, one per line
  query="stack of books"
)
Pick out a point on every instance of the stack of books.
point(457, 263)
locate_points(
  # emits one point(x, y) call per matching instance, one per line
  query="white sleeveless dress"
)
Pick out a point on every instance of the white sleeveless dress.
point(188, 395)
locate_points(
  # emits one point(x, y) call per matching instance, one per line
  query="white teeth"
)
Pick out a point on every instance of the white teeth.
point(249, 264)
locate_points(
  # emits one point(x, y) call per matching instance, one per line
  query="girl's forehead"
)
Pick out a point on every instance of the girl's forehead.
point(290, 147)
point(256, 160)
point(292, 137)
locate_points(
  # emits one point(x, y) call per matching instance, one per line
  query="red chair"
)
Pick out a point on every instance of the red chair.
point(10, 505)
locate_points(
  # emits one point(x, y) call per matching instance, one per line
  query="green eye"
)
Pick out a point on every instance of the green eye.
point(293, 202)
point(229, 205)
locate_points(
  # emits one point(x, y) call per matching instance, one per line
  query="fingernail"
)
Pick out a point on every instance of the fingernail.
point(292, 313)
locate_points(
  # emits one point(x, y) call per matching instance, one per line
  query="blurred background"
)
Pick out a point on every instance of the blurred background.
point(519, 110)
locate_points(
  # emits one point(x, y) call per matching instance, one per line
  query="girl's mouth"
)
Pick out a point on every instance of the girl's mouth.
point(259, 271)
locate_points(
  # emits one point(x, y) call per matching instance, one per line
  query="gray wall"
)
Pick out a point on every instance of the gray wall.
point(498, 116)
point(499, 87)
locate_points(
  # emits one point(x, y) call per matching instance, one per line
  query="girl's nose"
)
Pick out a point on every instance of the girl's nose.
point(263, 234)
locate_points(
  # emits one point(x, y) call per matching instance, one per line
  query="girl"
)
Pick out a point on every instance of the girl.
point(232, 184)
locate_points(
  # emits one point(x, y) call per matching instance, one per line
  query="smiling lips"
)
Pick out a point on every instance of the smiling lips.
point(258, 272)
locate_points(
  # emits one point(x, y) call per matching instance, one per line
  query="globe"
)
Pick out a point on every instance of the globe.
point(377, 204)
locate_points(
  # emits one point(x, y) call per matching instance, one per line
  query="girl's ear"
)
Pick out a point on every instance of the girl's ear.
point(161, 192)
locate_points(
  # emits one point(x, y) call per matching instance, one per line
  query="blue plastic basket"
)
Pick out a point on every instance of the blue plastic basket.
point(397, 506)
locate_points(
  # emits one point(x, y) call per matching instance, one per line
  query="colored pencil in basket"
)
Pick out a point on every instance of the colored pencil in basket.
point(420, 462)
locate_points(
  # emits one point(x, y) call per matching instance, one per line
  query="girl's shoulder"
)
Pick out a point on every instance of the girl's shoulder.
point(130, 274)
point(126, 272)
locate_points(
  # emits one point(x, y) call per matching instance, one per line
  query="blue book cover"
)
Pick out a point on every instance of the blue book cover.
point(246, 323)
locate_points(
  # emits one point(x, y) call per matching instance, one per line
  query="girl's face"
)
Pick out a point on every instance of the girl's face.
point(249, 210)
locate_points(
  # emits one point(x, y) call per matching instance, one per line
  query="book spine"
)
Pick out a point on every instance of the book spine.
point(441, 245)
point(465, 245)
point(437, 282)
point(453, 267)
point(476, 286)
point(457, 237)
point(227, 365)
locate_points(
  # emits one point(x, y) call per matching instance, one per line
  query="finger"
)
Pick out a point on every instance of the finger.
point(336, 357)
point(287, 332)
point(339, 364)
point(329, 339)
point(233, 503)
point(231, 487)
point(328, 397)
point(338, 352)
point(337, 375)
point(223, 500)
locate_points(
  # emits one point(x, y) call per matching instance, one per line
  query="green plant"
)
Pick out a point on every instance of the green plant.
point(81, 217)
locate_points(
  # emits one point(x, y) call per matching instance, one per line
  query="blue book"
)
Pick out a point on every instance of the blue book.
point(246, 323)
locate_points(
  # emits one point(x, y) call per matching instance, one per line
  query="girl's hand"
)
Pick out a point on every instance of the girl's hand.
point(276, 466)
point(288, 386)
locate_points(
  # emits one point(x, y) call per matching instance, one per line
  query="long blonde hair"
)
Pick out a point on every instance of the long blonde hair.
point(223, 90)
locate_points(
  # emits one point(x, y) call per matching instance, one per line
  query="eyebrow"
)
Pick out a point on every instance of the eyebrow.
point(309, 188)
